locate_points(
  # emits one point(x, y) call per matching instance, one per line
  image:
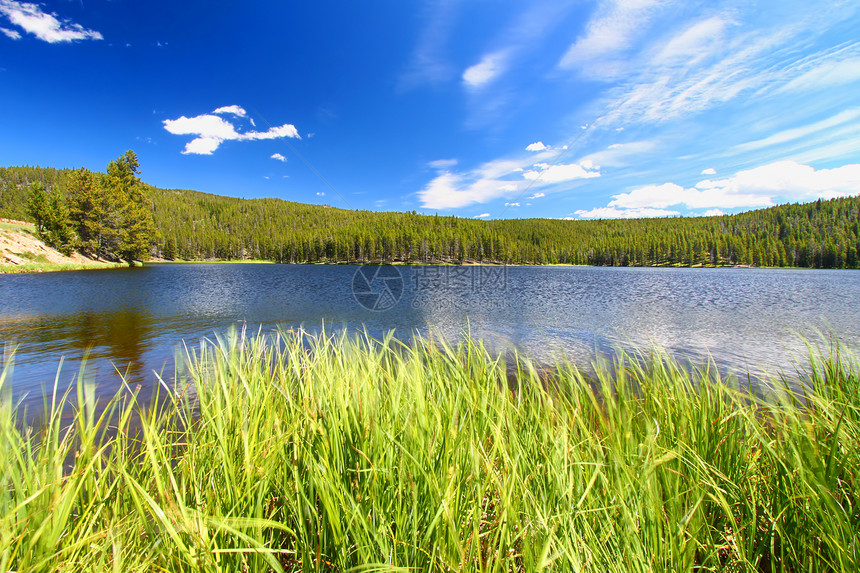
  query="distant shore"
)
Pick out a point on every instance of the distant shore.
point(21, 251)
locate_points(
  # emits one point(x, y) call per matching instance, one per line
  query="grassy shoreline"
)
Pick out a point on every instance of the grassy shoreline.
point(57, 267)
point(333, 453)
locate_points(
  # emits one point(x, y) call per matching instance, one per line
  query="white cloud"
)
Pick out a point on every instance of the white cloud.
point(499, 178)
point(613, 213)
point(11, 33)
point(512, 204)
point(320, 193)
point(286, 130)
point(655, 196)
point(485, 71)
point(709, 171)
point(762, 186)
point(609, 35)
point(443, 163)
point(203, 125)
point(789, 180)
point(212, 130)
point(482, 216)
point(201, 146)
point(537, 196)
point(234, 110)
point(450, 191)
point(279, 157)
point(536, 146)
point(714, 213)
point(45, 26)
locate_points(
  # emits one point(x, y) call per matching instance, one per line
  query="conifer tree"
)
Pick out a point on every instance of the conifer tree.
point(37, 205)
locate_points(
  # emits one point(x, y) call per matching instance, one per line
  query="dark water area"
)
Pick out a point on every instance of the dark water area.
point(134, 320)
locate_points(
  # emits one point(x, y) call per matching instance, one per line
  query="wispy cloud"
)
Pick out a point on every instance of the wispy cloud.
point(705, 63)
point(620, 154)
point(609, 36)
point(14, 34)
point(517, 51)
point(46, 26)
point(443, 163)
point(429, 63)
point(842, 118)
point(212, 130)
point(675, 87)
point(279, 157)
point(482, 73)
point(548, 174)
point(232, 110)
point(829, 68)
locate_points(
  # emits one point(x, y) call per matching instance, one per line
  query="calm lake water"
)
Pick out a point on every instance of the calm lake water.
point(134, 319)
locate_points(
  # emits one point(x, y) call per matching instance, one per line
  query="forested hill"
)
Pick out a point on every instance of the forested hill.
point(194, 225)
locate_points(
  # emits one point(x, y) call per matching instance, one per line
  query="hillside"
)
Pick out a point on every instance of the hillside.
point(194, 225)
point(22, 251)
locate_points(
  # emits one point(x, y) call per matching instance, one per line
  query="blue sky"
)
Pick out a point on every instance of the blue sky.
point(479, 108)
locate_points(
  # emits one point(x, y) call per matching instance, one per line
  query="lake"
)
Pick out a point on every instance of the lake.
point(133, 320)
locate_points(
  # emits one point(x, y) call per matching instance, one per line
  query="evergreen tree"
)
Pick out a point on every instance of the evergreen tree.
point(110, 212)
point(58, 231)
point(87, 206)
point(38, 205)
point(134, 229)
point(51, 215)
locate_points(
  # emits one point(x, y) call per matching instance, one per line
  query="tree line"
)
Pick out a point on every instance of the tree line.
point(104, 215)
point(190, 225)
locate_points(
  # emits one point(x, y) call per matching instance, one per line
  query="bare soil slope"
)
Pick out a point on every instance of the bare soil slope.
point(19, 246)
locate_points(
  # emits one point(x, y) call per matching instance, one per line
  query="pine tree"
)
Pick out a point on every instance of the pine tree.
point(111, 212)
point(58, 231)
point(87, 207)
point(37, 205)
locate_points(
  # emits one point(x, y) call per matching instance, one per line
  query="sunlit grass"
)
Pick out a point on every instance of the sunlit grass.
point(333, 453)
point(47, 267)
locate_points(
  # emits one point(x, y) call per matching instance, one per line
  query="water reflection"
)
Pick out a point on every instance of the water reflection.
point(108, 341)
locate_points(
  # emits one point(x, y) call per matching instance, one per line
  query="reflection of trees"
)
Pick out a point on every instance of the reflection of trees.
point(119, 337)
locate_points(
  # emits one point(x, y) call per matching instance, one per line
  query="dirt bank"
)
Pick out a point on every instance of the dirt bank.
point(22, 251)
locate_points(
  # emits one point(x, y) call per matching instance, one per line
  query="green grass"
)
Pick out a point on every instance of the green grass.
point(4, 226)
point(333, 453)
point(221, 261)
point(34, 257)
point(45, 267)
